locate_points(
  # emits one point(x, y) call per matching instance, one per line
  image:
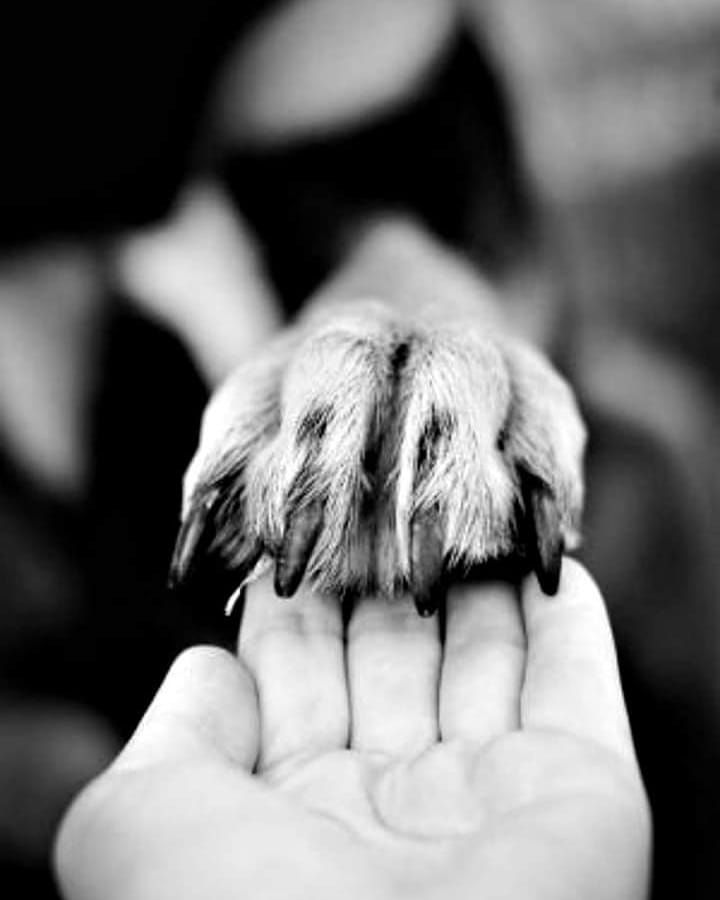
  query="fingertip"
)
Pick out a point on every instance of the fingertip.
point(206, 705)
point(575, 579)
point(576, 588)
point(572, 621)
point(203, 661)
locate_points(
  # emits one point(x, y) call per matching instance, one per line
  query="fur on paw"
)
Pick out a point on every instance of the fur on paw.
point(369, 455)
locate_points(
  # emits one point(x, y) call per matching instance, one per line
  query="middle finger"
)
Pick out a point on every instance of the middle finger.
point(393, 660)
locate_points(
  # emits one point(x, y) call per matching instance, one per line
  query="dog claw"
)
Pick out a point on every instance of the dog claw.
point(196, 534)
point(201, 564)
point(427, 563)
point(302, 530)
point(544, 540)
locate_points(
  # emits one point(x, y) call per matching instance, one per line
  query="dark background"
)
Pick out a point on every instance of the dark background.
point(100, 114)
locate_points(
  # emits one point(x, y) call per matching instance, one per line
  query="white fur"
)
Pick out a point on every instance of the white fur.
point(460, 367)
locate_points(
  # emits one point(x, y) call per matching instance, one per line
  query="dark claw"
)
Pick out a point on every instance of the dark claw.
point(543, 538)
point(428, 606)
point(427, 563)
point(194, 538)
point(302, 529)
point(209, 559)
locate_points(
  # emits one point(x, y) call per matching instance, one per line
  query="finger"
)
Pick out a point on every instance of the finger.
point(483, 664)
point(393, 670)
point(206, 706)
point(294, 648)
point(572, 682)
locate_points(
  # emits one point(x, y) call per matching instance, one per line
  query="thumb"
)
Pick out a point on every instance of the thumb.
point(206, 706)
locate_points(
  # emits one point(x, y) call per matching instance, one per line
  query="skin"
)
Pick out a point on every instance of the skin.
point(377, 764)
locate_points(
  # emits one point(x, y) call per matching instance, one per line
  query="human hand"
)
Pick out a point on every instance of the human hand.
point(384, 765)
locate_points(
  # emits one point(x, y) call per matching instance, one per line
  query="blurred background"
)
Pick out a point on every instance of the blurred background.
point(174, 181)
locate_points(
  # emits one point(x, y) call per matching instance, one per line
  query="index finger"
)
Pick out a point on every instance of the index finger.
point(572, 682)
point(294, 649)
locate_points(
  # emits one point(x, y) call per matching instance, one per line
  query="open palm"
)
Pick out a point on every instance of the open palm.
point(387, 763)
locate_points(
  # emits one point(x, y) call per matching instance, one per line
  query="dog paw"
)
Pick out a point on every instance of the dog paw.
point(369, 455)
